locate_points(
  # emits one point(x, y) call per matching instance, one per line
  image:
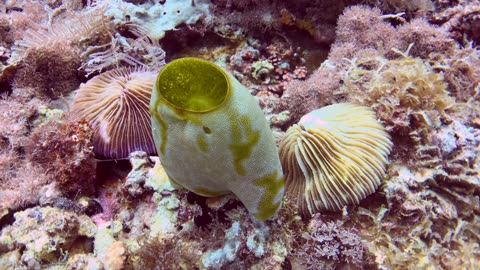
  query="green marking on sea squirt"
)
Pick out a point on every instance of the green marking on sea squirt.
point(241, 150)
point(202, 143)
point(187, 116)
point(207, 193)
point(272, 184)
point(163, 132)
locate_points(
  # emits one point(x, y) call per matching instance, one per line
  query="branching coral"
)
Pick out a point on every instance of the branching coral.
point(327, 245)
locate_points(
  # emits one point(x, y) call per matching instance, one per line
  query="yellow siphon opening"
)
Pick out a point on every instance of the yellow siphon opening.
point(193, 84)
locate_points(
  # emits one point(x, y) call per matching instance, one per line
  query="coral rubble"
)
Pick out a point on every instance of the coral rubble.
point(43, 234)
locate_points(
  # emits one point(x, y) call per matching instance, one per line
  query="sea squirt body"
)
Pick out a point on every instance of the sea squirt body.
point(212, 137)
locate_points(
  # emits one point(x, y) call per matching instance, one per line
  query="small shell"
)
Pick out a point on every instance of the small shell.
point(333, 157)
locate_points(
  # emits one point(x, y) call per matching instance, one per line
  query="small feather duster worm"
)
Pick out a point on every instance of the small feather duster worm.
point(333, 157)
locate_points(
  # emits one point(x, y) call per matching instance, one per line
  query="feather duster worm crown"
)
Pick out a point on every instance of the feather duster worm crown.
point(333, 157)
point(115, 103)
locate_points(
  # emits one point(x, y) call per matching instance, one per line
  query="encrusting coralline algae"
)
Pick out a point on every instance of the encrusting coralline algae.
point(416, 64)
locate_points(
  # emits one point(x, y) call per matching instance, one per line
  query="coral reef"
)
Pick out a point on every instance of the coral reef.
point(271, 70)
point(27, 176)
point(69, 145)
point(160, 17)
point(331, 244)
point(232, 241)
point(406, 93)
point(315, 18)
point(458, 19)
point(43, 234)
point(416, 64)
point(427, 186)
point(136, 182)
point(15, 122)
point(303, 96)
point(52, 71)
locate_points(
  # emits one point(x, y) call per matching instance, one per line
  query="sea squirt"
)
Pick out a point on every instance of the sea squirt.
point(212, 137)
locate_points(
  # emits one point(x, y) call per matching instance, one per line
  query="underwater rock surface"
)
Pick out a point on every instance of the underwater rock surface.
point(63, 205)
